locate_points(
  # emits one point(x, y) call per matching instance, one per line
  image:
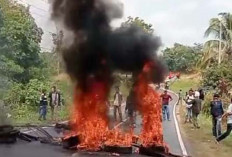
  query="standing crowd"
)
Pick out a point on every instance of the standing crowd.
point(193, 103)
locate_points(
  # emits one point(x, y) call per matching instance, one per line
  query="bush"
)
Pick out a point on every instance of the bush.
point(33, 90)
point(213, 74)
point(27, 94)
point(14, 95)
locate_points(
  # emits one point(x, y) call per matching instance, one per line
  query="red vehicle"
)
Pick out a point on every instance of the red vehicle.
point(172, 75)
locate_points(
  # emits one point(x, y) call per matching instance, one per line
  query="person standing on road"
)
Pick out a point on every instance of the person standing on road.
point(43, 105)
point(189, 98)
point(228, 114)
point(54, 97)
point(117, 104)
point(130, 107)
point(166, 98)
point(216, 109)
point(196, 109)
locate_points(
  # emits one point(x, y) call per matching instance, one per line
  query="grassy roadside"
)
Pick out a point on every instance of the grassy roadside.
point(199, 143)
point(184, 84)
point(30, 116)
point(24, 115)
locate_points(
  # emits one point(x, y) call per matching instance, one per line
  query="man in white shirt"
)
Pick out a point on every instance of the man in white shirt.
point(117, 104)
point(197, 94)
point(228, 114)
point(189, 98)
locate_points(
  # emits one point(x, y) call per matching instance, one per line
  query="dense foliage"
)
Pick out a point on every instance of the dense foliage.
point(182, 58)
point(220, 31)
point(19, 42)
point(214, 73)
point(24, 71)
point(139, 23)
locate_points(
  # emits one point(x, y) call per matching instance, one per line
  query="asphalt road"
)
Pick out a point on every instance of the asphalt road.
point(36, 149)
point(170, 133)
point(169, 129)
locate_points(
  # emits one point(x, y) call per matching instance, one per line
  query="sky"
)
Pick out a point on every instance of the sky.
point(175, 21)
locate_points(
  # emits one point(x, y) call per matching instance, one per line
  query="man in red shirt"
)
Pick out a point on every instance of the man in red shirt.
point(165, 105)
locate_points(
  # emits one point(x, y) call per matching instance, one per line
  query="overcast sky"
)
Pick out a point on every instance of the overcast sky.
point(182, 21)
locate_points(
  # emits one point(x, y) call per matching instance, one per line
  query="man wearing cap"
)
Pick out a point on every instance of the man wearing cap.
point(165, 105)
point(216, 109)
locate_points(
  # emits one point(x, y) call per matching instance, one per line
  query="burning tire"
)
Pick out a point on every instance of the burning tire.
point(71, 142)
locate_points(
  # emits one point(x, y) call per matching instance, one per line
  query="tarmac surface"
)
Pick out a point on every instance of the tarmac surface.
point(36, 149)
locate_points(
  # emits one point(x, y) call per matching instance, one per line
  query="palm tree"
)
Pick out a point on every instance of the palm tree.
point(219, 28)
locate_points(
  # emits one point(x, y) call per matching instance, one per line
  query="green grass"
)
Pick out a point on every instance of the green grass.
point(184, 84)
point(31, 117)
point(23, 115)
point(201, 141)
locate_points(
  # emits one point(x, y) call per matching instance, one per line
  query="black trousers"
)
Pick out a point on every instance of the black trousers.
point(227, 133)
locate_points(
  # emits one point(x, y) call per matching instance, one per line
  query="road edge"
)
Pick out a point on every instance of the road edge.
point(180, 139)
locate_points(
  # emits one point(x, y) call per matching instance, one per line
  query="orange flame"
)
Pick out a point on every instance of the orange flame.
point(90, 116)
point(118, 138)
point(90, 121)
point(150, 107)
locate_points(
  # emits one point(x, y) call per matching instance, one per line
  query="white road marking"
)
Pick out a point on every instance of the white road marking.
point(183, 148)
point(180, 139)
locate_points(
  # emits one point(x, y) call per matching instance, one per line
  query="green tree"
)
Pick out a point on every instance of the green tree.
point(182, 58)
point(19, 41)
point(220, 27)
point(214, 73)
point(138, 22)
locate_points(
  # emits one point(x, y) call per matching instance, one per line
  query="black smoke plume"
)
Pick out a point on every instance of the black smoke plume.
point(97, 50)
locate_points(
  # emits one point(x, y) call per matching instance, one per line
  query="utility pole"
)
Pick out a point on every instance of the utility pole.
point(220, 44)
point(57, 40)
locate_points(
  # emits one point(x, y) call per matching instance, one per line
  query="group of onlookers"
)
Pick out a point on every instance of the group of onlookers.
point(129, 108)
point(193, 101)
point(53, 99)
point(218, 113)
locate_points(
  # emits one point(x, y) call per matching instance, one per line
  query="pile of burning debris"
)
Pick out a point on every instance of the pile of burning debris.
point(72, 142)
point(94, 51)
point(9, 135)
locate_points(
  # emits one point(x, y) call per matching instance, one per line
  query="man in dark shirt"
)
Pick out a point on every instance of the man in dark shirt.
point(130, 107)
point(216, 108)
point(165, 105)
point(43, 105)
